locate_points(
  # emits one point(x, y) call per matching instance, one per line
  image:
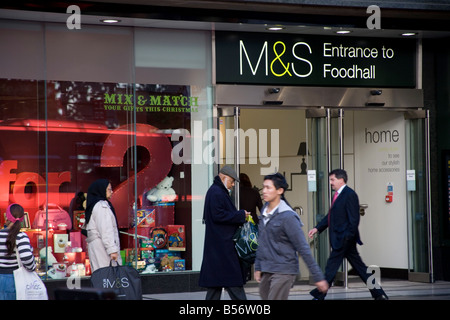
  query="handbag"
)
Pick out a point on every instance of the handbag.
point(125, 280)
point(28, 284)
point(56, 216)
point(246, 241)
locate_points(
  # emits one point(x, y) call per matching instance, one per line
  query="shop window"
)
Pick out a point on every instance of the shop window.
point(117, 131)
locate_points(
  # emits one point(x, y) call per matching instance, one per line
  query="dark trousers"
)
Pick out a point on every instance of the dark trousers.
point(349, 252)
point(236, 293)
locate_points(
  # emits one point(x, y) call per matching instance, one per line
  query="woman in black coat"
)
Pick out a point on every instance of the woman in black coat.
point(221, 266)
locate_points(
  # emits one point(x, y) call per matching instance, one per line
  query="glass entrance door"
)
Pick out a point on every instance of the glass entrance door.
point(228, 143)
point(325, 152)
point(418, 197)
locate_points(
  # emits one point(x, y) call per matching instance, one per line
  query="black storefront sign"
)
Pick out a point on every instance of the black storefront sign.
point(306, 60)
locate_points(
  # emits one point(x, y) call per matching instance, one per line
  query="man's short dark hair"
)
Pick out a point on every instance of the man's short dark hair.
point(340, 174)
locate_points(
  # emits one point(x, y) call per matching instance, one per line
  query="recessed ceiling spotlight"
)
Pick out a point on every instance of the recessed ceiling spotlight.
point(409, 34)
point(343, 31)
point(110, 20)
point(275, 28)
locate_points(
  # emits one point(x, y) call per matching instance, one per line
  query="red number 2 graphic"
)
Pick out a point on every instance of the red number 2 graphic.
point(113, 151)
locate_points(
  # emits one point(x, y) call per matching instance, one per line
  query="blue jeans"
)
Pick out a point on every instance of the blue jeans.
point(7, 287)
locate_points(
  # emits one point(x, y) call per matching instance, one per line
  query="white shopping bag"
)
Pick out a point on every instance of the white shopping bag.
point(28, 284)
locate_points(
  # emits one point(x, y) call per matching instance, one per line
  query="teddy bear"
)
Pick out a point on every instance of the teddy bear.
point(163, 191)
point(175, 240)
point(168, 263)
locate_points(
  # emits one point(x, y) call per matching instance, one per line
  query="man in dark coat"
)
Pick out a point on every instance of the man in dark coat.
point(221, 266)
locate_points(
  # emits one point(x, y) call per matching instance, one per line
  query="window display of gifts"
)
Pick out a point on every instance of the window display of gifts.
point(177, 236)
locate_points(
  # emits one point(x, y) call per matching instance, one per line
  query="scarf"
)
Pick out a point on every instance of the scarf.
point(96, 193)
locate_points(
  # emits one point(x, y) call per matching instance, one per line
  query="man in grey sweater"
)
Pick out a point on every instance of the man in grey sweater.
point(280, 241)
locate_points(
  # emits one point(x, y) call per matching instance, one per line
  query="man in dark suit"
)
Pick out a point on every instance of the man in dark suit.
point(343, 220)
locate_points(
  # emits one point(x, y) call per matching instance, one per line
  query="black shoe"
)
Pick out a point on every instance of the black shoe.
point(317, 295)
point(382, 297)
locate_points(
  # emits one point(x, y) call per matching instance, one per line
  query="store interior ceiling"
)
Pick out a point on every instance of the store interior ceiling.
point(320, 27)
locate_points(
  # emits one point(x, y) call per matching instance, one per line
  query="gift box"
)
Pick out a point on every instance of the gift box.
point(176, 237)
point(179, 265)
point(146, 243)
point(159, 237)
point(164, 259)
point(147, 255)
point(75, 239)
point(145, 218)
point(37, 238)
point(130, 256)
point(60, 241)
point(78, 219)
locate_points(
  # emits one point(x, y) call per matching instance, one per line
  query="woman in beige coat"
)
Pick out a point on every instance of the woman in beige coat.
point(101, 225)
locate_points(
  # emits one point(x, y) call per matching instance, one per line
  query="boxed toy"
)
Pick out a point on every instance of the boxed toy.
point(130, 256)
point(177, 237)
point(145, 218)
point(159, 237)
point(179, 265)
point(147, 255)
point(164, 259)
point(146, 243)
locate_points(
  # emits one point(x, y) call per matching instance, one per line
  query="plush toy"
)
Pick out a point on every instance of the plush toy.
point(151, 268)
point(168, 263)
point(163, 191)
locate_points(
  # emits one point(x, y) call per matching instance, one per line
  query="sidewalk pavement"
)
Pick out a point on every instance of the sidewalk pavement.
point(356, 290)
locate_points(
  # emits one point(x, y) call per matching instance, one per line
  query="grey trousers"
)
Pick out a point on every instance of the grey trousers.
point(276, 286)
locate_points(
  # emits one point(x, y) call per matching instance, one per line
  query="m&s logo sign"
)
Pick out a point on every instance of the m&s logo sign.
point(284, 63)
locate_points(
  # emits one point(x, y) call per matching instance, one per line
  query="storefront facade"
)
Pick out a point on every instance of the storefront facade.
point(146, 106)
